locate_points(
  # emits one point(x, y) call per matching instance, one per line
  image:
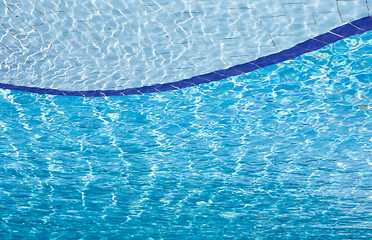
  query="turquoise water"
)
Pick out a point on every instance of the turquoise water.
point(283, 152)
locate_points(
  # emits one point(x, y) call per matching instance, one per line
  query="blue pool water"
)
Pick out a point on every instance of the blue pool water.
point(283, 152)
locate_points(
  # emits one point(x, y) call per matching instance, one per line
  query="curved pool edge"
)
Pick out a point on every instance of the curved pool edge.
point(356, 27)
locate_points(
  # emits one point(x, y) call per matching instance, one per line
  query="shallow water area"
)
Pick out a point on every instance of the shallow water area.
point(80, 46)
point(283, 152)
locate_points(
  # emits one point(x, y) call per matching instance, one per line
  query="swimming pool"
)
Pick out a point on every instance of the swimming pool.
point(115, 47)
point(283, 152)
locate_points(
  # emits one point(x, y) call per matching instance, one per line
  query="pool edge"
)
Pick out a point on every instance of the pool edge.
point(356, 27)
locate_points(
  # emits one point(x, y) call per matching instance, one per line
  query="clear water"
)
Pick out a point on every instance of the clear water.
point(81, 45)
point(280, 153)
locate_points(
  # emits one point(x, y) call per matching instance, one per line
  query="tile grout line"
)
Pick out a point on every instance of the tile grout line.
point(338, 9)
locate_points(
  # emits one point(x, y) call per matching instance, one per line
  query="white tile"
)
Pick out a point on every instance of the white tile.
point(323, 6)
point(299, 13)
point(352, 10)
point(327, 21)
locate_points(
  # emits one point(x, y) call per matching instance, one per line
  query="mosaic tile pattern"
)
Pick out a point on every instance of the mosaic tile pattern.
point(81, 46)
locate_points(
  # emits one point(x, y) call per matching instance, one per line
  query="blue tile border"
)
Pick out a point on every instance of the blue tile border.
point(350, 29)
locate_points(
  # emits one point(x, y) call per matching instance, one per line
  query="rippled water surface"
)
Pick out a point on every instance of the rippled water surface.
point(82, 45)
point(283, 152)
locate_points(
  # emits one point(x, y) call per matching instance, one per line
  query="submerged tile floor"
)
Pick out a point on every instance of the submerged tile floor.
point(114, 45)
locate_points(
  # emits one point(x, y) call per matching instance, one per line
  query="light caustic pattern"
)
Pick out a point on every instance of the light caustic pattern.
point(80, 45)
point(280, 153)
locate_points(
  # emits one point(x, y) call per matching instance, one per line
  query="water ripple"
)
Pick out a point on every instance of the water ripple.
point(282, 152)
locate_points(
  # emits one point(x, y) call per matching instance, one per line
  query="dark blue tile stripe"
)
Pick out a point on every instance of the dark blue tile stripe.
point(356, 27)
